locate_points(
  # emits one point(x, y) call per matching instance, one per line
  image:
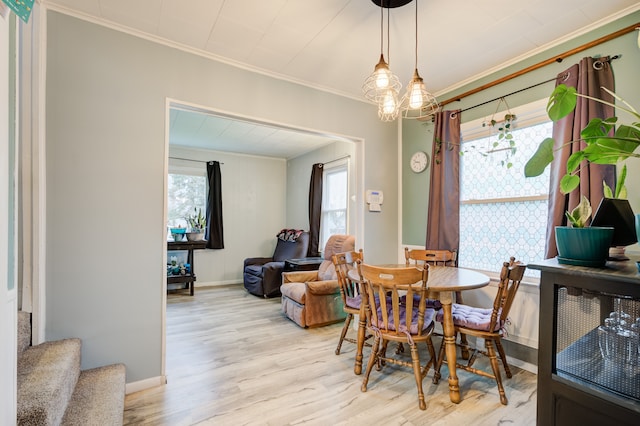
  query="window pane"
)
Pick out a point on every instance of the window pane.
point(336, 184)
point(335, 191)
point(483, 177)
point(492, 227)
point(185, 192)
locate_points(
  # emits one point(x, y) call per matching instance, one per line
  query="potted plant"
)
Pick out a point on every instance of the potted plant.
point(197, 224)
point(600, 148)
point(579, 244)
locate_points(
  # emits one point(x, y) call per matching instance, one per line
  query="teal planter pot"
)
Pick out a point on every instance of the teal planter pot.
point(584, 246)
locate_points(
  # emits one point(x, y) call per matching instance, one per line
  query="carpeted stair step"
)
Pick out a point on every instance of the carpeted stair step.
point(24, 331)
point(47, 374)
point(98, 398)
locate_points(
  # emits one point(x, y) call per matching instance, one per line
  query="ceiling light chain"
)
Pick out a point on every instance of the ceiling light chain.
point(418, 102)
point(377, 86)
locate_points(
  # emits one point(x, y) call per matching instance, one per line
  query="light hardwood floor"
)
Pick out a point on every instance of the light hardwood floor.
point(234, 359)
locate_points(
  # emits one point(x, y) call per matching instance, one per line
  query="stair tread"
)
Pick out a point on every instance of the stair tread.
point(46, 376)
point(98, 398)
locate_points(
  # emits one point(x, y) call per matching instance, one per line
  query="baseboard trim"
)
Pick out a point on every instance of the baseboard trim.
point(217, 283)
point(149, 383)
point(523, 365)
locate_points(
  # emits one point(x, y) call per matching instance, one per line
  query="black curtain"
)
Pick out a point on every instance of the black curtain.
point(315, 209)
point(214, 233)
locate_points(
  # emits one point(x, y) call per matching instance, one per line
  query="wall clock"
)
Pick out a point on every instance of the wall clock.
point(419, 161)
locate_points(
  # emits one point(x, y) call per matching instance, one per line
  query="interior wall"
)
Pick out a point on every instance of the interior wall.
point(105, 156)
point(253, 203)
point(299, 177)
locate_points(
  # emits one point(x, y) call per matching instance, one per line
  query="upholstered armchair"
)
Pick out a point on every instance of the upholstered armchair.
point(312, 298)
point(263, 275)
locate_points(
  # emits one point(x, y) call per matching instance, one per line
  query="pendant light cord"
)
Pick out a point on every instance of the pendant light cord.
point(388, 37)
point(416, 34)
point(381, 30)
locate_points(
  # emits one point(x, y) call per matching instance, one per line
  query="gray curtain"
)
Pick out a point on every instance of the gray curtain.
point(587, 77)
point(214, 233)
point(315, 209)
point(443, 222)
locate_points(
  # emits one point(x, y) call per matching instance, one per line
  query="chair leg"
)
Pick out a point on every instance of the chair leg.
point(496, 370)
point(415, 361)
point(345, 328)
point(432, 354)
point(439, 360)
point(464, 344)
point(503, 357)
point(362, 328)
point(382, 354)
point(373, 359)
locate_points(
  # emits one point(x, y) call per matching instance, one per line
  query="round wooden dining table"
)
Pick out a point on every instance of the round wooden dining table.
point(443, 282)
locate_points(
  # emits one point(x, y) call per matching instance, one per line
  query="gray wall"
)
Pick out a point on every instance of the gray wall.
point(105, 154)
point(625, 69)
point(254, 196)
point(299, 176)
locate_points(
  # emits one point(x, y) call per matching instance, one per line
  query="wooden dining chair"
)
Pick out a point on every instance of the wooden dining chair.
point(432, 257)
point(351, 292)
point(487, 324)
point(393, 317)
point(437, 257)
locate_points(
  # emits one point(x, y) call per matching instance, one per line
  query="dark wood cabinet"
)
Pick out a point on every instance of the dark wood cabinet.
point(188, 278)
point(588, 375)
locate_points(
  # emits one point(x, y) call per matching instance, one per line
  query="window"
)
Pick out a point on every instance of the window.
point(187, 189)
point(335, 191)
point(502, 213)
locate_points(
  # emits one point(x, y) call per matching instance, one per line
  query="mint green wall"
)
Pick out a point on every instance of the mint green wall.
point(105, 154)
point(626, 75)
point(417, 136)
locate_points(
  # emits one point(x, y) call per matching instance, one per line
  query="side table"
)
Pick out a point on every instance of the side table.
point(188, 278)
point(303, 264)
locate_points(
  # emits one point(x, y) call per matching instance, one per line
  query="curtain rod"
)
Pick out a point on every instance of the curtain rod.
point(557, 58)
point(195, 161)
point(337, 159)
point(522, 90)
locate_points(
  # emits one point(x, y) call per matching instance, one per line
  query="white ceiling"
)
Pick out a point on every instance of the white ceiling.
point(334, 44)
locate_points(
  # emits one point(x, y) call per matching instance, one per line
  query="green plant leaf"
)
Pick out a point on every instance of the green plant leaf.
point(568, 183)
point(574, 160)
point(540, 159)
point(561, 102)
point(607, 190)
point(620, 188)
point(581, 213)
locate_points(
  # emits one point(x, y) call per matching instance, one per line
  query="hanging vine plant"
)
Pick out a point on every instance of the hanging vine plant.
point(504, 142)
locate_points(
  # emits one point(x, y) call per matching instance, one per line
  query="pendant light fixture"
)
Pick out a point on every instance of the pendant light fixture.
point(418, 102)
point(379, 85)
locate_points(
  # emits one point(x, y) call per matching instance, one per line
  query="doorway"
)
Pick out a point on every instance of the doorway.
point(263, 164)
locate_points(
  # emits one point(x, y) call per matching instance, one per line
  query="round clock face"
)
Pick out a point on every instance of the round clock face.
point(419, 161)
